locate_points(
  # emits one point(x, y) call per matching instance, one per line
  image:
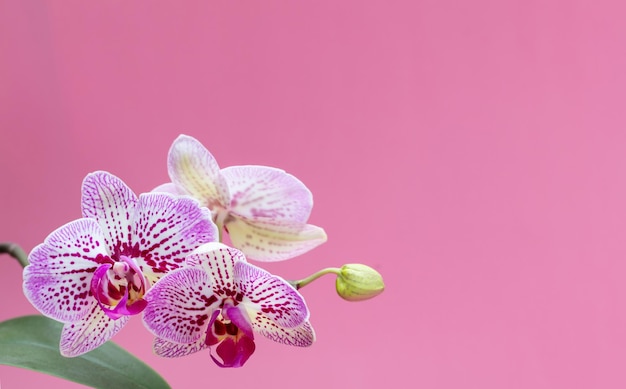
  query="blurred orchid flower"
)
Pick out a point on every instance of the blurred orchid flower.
point(92, 273)
point(263, 209)
point(221, 300)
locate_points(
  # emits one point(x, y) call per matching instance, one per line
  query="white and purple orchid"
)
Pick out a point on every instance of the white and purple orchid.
point(264, 210)
point(93, 273)
point(219, 301)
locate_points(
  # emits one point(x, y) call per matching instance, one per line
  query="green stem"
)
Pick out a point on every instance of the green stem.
point(220, 219)
point(305, 281)
point(220, 227)
point(15, 251)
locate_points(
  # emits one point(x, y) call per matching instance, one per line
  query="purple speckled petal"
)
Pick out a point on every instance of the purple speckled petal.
point(164, 348)
point(273, 242)
point(165, 229)
point(110, 201)
point(192, 167)
point(180, 306)
point(261, 193)
point(58, 278)
point(217, 260)
point(171, 188)
point(301, 336)
point(89, 333)
point(266, 295)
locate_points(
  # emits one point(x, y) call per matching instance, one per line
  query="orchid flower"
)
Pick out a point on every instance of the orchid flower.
point(93, 273)
point(263, 209)
point(219, 301)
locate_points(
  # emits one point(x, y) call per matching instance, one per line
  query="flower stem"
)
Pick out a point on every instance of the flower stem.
point(305, 281)
point(219, 219)
point(15, 251)
point(220, 227)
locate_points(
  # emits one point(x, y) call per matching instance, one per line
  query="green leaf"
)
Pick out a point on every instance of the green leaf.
point(32, 342)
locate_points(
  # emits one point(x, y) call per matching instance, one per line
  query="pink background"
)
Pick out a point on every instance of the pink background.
point(472, 151)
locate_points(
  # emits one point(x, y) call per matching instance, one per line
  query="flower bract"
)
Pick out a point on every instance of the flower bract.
point(264, 210)
point(220, 301)
point(93, 273)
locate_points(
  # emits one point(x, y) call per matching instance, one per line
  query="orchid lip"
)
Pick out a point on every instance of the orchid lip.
point(113, 288)
point(233, 344)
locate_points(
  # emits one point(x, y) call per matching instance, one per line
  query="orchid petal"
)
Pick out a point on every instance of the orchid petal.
point(261, 193)
point(180, 306)
point(270, 296)
point(273, 242)
point(165, 229)
point(171, 188)
point(192, 167)
point(167, 349)
point(90, 332)
point(218, 260)
point(58, 279)
point(110, 201)
point(301, 336)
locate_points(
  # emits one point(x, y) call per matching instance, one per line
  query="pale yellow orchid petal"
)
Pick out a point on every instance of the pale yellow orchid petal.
point(272, 242)
point(192, 167)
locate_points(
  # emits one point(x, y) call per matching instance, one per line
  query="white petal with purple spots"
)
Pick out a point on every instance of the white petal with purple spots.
point(270, 296)
point(180, 306)
point(89, 333)
point(110, 201)
point(218, 260)
point(165, 229)
point(57, 281)
point(301, 336)
point(164, 348)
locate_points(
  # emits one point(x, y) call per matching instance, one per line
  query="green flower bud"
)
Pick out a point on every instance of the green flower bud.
point(356, 282)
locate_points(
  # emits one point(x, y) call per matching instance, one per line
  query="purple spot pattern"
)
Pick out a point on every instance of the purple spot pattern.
point(111, 202)
point(300, 336)
point(57, 280)
point(165, 229)
point(270, 296)
point(218, 264)
point(180, 306)
point(85, 335)
point(166, 349)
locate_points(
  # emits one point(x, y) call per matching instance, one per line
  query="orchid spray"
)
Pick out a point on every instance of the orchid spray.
point(162, 255)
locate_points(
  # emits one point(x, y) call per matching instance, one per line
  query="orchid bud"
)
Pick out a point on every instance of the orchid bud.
point(357, 282)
